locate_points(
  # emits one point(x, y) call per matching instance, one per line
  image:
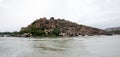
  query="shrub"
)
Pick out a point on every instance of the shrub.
point(56, 32)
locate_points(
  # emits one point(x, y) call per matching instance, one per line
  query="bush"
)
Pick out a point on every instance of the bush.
point(115, 31)
point(56, 32)
point(34, 31)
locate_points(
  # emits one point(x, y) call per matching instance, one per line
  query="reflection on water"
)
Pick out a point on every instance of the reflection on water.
point(100, 46)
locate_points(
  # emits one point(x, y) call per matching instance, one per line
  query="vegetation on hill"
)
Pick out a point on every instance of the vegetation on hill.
point(113, 30)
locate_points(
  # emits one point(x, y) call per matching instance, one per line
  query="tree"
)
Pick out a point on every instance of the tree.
point(56, 32)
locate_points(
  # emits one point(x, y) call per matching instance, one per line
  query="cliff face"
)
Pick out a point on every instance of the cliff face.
point(59, 27)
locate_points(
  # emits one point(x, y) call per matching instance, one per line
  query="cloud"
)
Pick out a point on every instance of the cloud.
point(96, 13)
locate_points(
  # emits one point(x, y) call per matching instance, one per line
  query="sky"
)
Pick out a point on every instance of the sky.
point(102, 14)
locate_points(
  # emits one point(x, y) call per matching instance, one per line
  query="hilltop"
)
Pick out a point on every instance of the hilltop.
point(58, 27)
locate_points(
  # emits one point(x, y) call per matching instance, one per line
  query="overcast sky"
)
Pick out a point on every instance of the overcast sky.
point(15, 14)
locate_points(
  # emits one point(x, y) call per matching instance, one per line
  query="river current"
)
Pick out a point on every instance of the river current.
point(87, 46)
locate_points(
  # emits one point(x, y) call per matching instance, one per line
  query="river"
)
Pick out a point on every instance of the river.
point(87, 46)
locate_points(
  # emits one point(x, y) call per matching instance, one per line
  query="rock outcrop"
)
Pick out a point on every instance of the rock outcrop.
point(59, 27)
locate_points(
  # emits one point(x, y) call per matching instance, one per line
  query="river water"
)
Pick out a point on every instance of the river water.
point(87, 46)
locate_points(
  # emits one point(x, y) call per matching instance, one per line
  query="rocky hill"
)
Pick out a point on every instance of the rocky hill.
point(58, 27)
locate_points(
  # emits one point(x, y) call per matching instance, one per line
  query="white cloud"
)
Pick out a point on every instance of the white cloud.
point(97, 13)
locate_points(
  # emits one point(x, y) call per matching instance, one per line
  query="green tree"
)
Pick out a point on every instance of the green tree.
point(56, 32)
